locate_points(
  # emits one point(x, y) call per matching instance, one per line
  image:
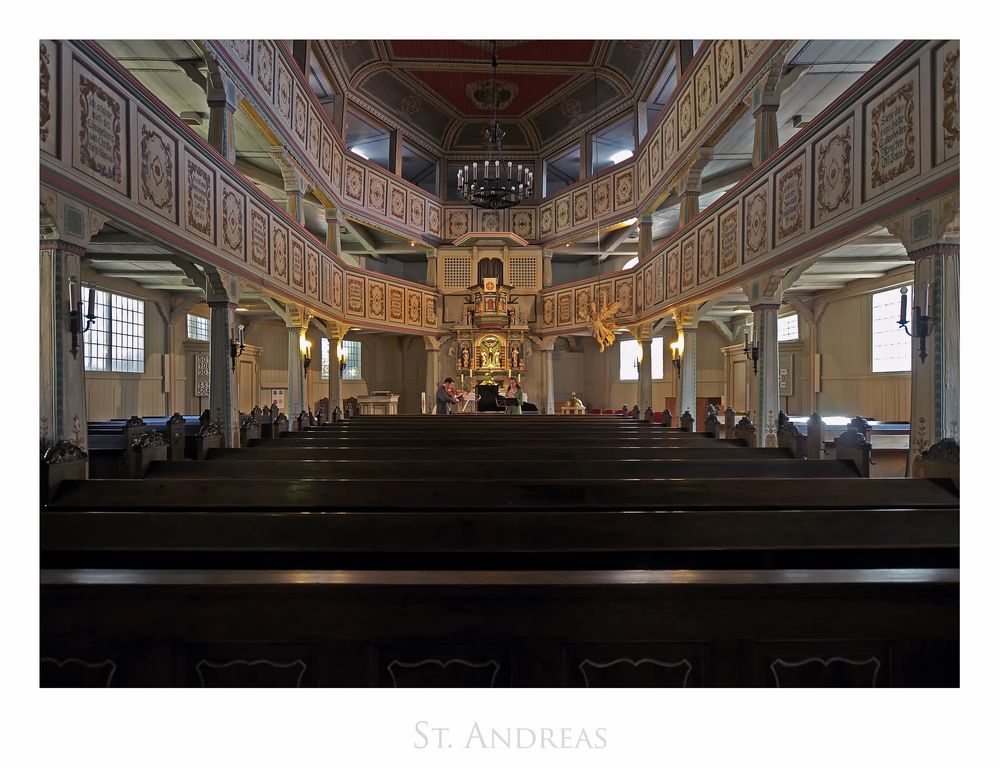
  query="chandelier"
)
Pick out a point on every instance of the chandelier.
point(497, 186)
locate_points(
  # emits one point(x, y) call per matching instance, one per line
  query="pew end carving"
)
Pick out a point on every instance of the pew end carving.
point(939, 461)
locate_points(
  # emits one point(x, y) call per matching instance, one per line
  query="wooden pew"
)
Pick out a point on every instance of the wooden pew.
point(586, 628)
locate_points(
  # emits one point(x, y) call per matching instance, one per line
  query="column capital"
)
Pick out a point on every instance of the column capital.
point(434, 343)
point(336, 330)
point(543, 343)
point(641, 332)
point(297, 317)
point(930, 224)
point(65, 219)
point(220, 88)
point(221, 287)
point(294, 179)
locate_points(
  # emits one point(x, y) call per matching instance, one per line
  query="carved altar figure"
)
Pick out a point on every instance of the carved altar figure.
point(601, 324)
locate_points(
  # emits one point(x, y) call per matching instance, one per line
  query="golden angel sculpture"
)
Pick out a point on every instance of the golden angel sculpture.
point(601, 323)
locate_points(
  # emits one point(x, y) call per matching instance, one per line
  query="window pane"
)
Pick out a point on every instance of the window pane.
point(788, 328)
point(613, 144)
point(890, 344)
point(562, 171)
point(629, 354)
point(127, 334)
point(324, 356)
point(95, 341)
point(367, 140)
point(198, 327)
point(352, 349)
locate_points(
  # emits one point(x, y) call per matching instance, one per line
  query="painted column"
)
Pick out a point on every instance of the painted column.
point(547, 268)
point(335, 387)
point(62, 393)
point(765, 134)
point(687, 386)
point(222, 97)
point(296, 365)
point(433, 377)
point(223, 396)
point(333, 229)
point(645, 235)
point(432, 267)
point(546, 379)
point(643, 334)
point(764, 400)
point(931, 236)
point(934, 381)
point(295, 185)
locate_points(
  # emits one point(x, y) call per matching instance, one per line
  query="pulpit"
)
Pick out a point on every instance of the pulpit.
point(378, 404)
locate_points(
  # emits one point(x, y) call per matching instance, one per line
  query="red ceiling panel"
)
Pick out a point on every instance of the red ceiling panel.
point(453, 87)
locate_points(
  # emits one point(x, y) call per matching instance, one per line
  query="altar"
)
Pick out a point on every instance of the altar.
point(378, 404)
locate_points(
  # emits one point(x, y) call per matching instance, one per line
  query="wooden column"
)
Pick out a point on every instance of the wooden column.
point(223, 398)
point(645, 235)
point(547, 268)
point(765, 132)
point(687, 385)
point(544, 346)
point(62, 393)
point(432, 268)
point(296, 323)
point(433, 377)
point(335, 391)
point(764, 399)
point(223, 98)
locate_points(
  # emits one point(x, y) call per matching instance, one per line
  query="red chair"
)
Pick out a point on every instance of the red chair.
point(594, 411)
point(607, 412)
point(658, 417)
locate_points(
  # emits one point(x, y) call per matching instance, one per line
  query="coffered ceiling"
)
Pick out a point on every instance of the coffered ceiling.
point(443, 89)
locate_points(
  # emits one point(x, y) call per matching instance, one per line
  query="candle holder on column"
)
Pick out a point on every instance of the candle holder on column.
point(752, 351)
point(921, 321)
point(76, 315)
point(236, 346)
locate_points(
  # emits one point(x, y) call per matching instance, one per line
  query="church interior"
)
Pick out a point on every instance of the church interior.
point(499, 363)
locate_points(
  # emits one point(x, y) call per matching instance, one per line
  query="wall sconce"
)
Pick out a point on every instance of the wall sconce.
point(76, 314)
point(676, 350)
point(236, 345)
point(305, 346)
point(752, 350)
point(921, 322)
point(341, 358)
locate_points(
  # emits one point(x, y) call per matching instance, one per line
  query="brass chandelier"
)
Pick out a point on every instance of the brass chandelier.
point(497, 186)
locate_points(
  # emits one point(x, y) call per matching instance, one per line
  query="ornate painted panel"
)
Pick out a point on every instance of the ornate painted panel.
point(397, 310)
point(546, 221)
point(790, 199)
point(337, 286)
point(548, 311)
point(726, 65)
point(48, 121)
point(564, 219)
point(326, 281)
point(647, 286)
point(605, 294)
point(655, 158)
point(522, 223)
point(354, 181)
point(397, 202)
point(489, 221)
point(669, 137)
point(300, 114)
point(946, 81)
point(414, 307)
point(756, 223)
point(336, 172)
point(729, 239)
point(283, 91)
point(704, 90)
point(892, 135)
point(233, 220)
point(100, 124)
point(624, 188)
point(639, 297)
point(157, 169)
point(199, 198)
point(312, 273)
point(297, 263)
point(313, 135)
point(356, 295)
point(458, 221)
point(376, 193)
point(833, 179)
point(602, 196)
point(415, 207)
point(642, 165)
point(581, 300)
point(564, 308)
point(264, 65)
point(659, 293)
point(259, 238)
point(279, 251)
point(707, 259)
point(581, 206)
point(376, 299)
point(689, 259)
point(434, 219)
point(623, 295)
point(673, 271)
point(430, 310)
point(685, 116)
point(326, 154)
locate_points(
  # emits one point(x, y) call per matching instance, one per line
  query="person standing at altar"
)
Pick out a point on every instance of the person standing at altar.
point(445, 398)
point(514, 392)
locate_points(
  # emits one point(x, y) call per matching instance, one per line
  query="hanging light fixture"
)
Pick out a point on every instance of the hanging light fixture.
point(497, 185)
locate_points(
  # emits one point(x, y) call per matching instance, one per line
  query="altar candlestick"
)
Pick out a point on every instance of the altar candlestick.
point(475, 171)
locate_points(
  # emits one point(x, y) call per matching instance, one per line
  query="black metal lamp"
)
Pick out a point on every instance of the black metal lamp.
point(236, 346)
point(76, 315)
point(921, 320)
point(752, 350)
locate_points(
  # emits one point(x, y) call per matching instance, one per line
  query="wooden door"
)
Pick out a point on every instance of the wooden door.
point(247, 388)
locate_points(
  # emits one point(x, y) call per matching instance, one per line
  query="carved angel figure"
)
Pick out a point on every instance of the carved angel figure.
point(601, 323)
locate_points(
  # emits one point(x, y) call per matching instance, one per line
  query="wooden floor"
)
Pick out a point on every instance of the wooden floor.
point(500, 551)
